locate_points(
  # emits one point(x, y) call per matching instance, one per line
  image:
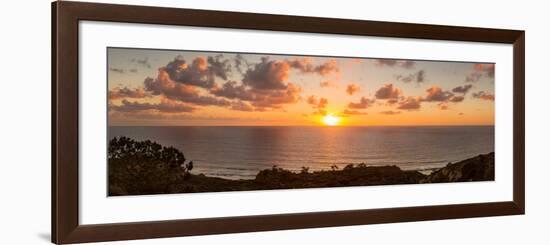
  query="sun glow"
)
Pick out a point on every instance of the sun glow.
point(331, 120)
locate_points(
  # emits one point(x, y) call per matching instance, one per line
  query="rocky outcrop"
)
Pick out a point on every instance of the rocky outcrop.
point(479, 168)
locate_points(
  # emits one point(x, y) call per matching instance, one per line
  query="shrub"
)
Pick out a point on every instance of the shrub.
point(144, 167)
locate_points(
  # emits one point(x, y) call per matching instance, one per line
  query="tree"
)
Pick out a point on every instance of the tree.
point(144, 167)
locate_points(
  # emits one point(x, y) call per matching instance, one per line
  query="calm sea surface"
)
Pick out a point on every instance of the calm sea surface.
point(240, 152)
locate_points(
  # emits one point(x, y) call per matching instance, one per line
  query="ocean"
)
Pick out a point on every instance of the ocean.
point(240, 152)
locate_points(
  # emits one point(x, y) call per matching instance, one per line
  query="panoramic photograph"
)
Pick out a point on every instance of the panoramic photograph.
point(183, 121)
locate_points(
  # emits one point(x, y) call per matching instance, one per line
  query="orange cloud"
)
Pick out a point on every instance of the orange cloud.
point(480, 70)
point(320, 103)
point(347, 112)
point(443, 106)
point(352, 88)
point(484, 95)
point(363, 103)
point(488, 69)
point(170, 89)
point(305, 65)
point(326, 84)
point(202, 71)
point(410, 103)
point(267, 74)
point(166, 106)
point(241, 106)
point(390, 112)
point(120, 93)
point(435, 93)
point(328, 67)
point(462, 89)
point(388, 91)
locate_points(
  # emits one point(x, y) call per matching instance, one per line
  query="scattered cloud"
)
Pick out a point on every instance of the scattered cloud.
point(219, 66)
point(484, 95)
point(407, 64)
point(201, 72)
point(125, 92)
point(347, 112)
point(320, 103)
point(241, 106)
point(362, 104)
point(265, 98)
point(388, 91)
point(462, 89)
point(117, 70)
point(328, 84)
point(481, 70)
point(166, 106)
point(277, 98)
point(410, 103)
point(241, 64)
point(352, 88)
point(487, 69)
point(233, 90)
point(418, 77)
point(185, 86)
point(390, 112)
point(473, 77)
point(456, 99)
point(143, 62)
point(268, 75)
point(321, 112)
point(305, 65)
point(392, 101)
point(327, 68)
point(145, 115)
point(437, 94)
point(163, 85)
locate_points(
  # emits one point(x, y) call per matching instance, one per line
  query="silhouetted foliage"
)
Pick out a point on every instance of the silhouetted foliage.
point(124, 148)
point(349, 167)
point(144, 167)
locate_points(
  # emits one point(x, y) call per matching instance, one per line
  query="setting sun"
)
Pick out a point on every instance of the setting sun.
point(234, 115)
point(331, 120)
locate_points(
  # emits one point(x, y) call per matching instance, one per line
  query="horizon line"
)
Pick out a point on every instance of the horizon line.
point(323, 126)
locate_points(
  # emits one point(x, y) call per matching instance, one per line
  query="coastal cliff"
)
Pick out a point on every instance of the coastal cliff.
point(479, 168)
point(142, 168)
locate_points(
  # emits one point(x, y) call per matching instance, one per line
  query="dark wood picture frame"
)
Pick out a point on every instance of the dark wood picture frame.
point(65, 211)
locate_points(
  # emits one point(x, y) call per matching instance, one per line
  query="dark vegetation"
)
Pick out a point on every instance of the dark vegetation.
point(477, 168)
point(145, 167)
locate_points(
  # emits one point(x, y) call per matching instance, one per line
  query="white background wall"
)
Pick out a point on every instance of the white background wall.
point(25, 121)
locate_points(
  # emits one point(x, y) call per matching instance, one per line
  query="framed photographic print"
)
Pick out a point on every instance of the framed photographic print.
point(174, 122)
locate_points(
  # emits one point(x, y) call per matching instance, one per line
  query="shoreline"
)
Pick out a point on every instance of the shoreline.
point(163, 178)
point(424, 171)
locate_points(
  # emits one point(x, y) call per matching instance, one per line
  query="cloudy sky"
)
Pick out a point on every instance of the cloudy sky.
point(166, 87)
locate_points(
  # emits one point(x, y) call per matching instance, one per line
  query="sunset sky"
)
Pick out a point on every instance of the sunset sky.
point(166, 87)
